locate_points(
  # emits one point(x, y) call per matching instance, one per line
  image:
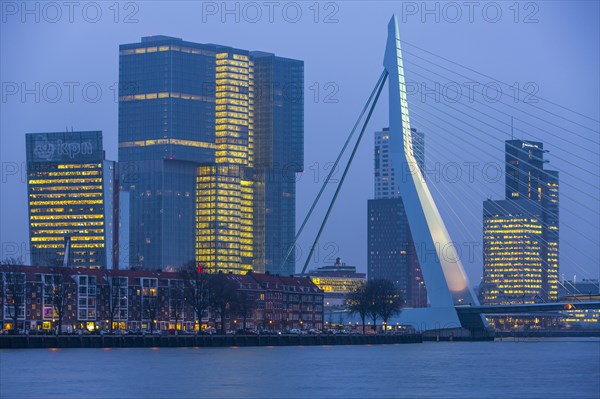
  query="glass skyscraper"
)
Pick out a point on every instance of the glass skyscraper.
point(187, 145)
point(520, 233)
point(391, 250)
point(71, 194)
point(279, 155)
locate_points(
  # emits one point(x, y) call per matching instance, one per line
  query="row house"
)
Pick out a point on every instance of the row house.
point(41, 298)
point(289, 302)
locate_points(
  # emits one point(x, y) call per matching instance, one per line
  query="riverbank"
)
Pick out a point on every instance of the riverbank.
point(147, 341)
point(548, 334)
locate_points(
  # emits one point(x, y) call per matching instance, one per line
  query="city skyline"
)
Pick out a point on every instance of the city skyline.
point(434, 165)
point(351, 248)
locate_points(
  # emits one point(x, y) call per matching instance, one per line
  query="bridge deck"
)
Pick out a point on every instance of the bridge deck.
point(537, 307)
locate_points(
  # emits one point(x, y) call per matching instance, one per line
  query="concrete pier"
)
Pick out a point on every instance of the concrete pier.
point(163, 341)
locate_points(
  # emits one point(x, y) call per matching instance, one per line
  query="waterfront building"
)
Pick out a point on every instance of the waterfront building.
point(92, 299)
point(391, 250)
point(188, 145)
point(336, 281)
point(579, 291)
point(71, 193)
point(520, 233)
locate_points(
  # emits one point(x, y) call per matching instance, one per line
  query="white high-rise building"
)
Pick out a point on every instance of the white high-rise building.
point(385, 176)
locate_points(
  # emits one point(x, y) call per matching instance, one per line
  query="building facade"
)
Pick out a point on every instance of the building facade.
point(279, 155)
point(520, 233)
point(72, 195)
point(336, 281)
point(187, 145)
point(92, 299)
point(391, 250)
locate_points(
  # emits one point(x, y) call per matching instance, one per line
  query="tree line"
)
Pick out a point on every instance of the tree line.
point(375, 299)
point(217, 293)
point(199, 291)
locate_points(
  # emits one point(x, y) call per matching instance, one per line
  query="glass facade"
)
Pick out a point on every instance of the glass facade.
point(225, 190)
point(166, 128)
point(512, 241)
point(70, 195)
point(520, 233)
point(279, 155)
point(186, 124)
point(224, 219)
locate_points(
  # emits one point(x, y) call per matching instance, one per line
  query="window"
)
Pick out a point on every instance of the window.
point(86, 298)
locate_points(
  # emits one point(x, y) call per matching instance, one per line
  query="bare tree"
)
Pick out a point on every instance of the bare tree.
point(13, 292)
point(116, 289)
point(358, 303)
point(12, 261)
point(176, 301)
point(195, 290)
point(152, 306)
point(222, 296)
point(387, 299)
point(375, 299)
point(60, 289)
point(245, 304)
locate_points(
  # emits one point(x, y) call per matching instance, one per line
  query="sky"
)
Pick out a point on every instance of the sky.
point(546, 49)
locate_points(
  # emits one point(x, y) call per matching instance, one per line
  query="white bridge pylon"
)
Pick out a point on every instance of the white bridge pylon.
point(445, 279)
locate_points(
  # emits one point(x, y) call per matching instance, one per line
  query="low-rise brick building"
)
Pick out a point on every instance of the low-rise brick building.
point(41, 298)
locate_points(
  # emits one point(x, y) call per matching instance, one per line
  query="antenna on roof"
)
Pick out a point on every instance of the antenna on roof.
point(512, 133)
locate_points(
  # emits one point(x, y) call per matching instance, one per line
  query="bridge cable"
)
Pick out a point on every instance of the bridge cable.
point(510, 124)
point(332, 171)
point(504, 83)
point(339, 186)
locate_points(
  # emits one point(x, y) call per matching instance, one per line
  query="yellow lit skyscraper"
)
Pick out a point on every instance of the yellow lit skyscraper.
point(71, 195)
point(520, 233)
point(513, 243)
point(225, 189)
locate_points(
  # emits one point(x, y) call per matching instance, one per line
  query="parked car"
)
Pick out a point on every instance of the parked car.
point(241, 331)
point(295, 331)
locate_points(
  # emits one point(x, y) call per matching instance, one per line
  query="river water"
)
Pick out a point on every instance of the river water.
point(534, 368)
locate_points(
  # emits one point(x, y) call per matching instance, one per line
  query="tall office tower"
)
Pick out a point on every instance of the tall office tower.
point(279, 155)
point(71, 195)
point(521, 232)
point(166, 128)
point(225, 190)
point(187, 145)
point(391, 251)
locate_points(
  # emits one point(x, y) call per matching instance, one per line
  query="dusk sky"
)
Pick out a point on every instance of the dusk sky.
point(550, 48)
